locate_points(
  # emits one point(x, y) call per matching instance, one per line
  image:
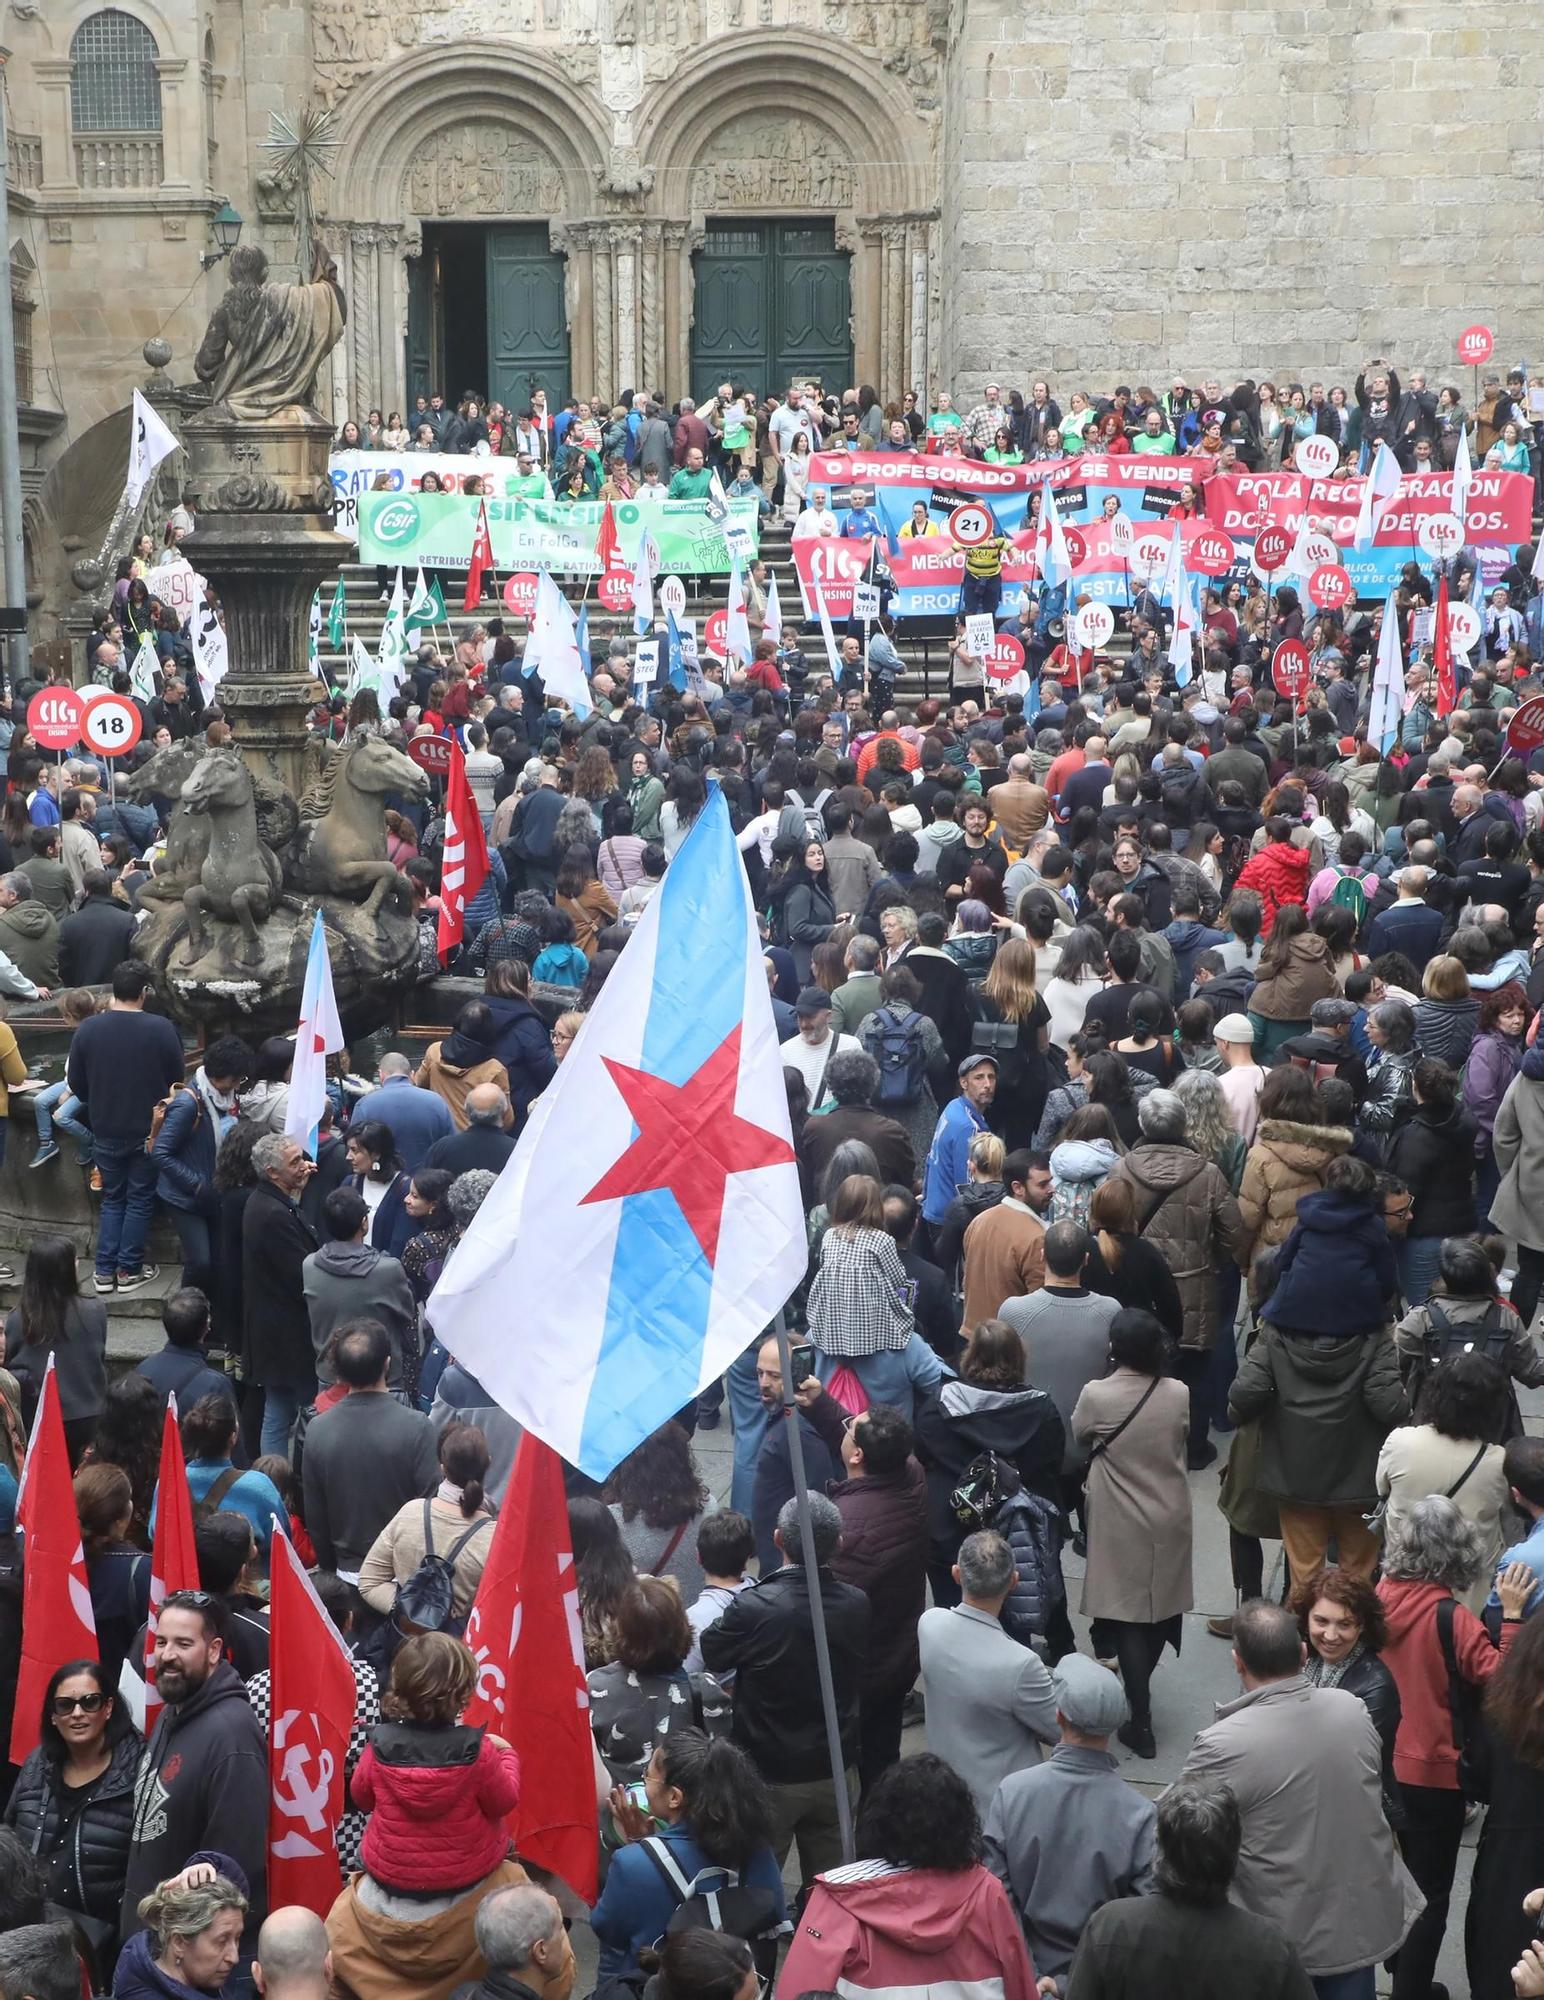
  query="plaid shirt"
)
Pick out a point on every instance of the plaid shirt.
point(858, 1301)
point(504, 937)
point(984, 422)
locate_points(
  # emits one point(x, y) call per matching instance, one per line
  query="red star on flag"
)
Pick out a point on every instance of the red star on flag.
point(690, 1140)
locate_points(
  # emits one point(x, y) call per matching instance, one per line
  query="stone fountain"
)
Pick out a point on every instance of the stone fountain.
point(266, 833)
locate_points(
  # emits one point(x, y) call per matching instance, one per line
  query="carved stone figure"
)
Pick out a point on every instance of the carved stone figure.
point(342, 843)
point(240, 877)
point(482, 167)
point(771, 161)
point(187, 832)
point(265, 342)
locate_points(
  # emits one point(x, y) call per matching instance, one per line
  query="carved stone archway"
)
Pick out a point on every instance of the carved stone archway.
point(478, 132)
point(844, 141)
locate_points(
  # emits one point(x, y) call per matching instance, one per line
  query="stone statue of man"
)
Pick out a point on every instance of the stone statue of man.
point(263, 346)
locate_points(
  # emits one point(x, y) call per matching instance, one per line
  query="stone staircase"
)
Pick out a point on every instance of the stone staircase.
point(924, 646)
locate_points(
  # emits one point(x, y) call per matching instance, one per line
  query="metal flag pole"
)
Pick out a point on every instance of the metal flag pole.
point(793, 1416)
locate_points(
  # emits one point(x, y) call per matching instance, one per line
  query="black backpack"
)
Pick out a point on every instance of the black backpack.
point(426, 1599)
point(1442, 1339)
point(715, 1899)
point(986, 1484)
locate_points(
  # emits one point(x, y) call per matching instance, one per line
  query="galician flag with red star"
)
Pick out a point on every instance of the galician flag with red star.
point(319, 1035)
point(648, 1225)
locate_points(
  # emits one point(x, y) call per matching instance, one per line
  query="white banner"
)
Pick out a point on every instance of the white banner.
point(179, 587)
point(355, 472)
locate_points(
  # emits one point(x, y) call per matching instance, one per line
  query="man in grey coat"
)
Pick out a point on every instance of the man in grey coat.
point(989, 1701)
point(1306, 1768)
point(1077, 1814)
point(348, 1280)
point(366, 1455)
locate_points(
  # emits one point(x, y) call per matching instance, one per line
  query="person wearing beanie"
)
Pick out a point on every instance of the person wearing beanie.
point(1078, 1808)
point(1242, 1078)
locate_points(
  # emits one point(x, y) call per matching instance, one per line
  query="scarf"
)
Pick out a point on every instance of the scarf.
point(1330, 1673)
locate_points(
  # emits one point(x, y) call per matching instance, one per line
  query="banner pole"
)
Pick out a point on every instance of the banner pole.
point(794, 1418)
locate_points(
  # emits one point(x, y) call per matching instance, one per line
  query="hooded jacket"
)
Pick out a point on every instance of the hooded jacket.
point(437, 1800)
point(84, 1852)
point(138, 1977)
point(380, 1956)
point(1185, 1211)
point(1336, 1268)
point(1286, 1162)
point(203, 1784)
point(1433, 1154)
point(1279, 875)
point(871, 1928)
point(1188, 937)
point(1517, 1208)
point(452, 1069)
point(1326, 1403)
point(29, 936)
point(347, 1281)
point(521, 1043)
point(963, 1420)
point(1307, 976)
point(1424, 1750)
point(1078, 1166)
point(884, 1552)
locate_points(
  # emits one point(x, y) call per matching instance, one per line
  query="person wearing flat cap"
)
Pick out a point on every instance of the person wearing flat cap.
point(1069, 1835)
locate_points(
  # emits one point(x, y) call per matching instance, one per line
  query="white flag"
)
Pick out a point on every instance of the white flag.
point(1463, 476)
point(1386, 710)
point(552, 650)
point(1182, 638)
point(143, 672)
point(717, 502)
point(1378, 490)
point(362, 671)
point(1052, 560)
point(211, 656)
point(320, 1035)
point(643, 585)
point(149, 442)
point(772, 621)
point(737, 632)
point(832, 659)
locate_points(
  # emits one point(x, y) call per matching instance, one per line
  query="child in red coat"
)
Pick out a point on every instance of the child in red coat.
point(437, 1793)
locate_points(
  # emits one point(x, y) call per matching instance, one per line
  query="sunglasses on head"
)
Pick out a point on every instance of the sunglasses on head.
point(88, 1704)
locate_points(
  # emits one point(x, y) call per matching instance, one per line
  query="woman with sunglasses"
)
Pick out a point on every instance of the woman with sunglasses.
point(73, 1805)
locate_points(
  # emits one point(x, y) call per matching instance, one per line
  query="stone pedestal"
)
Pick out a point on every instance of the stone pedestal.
point(265, 543)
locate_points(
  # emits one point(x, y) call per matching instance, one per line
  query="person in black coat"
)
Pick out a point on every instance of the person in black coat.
point(933, 1308)
point(73, 1803)
point(276, 1240)
point(521, 1041)
point(1510, 1862)
point(97, 936)
point(1433, 1154)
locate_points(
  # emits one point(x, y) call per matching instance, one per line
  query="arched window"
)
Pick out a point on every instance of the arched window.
point(113, 82)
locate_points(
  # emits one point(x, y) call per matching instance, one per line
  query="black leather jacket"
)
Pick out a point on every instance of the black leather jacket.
point(1370, 1680)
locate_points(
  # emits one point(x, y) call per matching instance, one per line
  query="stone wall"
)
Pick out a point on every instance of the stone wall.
point(1277, 190)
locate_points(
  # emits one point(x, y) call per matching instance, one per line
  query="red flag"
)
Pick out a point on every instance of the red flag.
point(311, 1699)
point(464, 858)
point(174, 1559)
point(57, 1622)
point(607, 547)
point(524, 1630)
point(1442, 653)
point(482, 560)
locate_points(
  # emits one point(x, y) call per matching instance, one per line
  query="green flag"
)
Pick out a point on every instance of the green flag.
point(428, 605)
point(143, 672)
point(336, 618)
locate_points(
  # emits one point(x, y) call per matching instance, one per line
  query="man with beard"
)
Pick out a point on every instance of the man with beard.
point(203, 1780)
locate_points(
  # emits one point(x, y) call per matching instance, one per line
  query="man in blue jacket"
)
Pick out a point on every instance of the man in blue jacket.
point(415, 1118)
point(958, 1123)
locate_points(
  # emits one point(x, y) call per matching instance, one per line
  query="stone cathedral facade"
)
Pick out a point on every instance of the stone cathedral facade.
point(597, 195)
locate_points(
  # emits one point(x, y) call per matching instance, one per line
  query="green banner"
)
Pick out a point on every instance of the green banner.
point(404, 530)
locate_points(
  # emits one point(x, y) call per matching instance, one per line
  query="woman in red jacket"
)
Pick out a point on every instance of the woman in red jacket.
point(1278, 873)
point(1430, 1554)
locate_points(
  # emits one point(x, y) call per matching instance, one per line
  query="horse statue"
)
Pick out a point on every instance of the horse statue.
point(187, 837)
point(341, 847)
point(240, 878)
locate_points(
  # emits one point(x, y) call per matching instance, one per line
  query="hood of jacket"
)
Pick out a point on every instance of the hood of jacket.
point(1190, 934)
point(460, 1052)
point(1303, 1148)
point(976, 1197)
point(1165, 1167)
point(30, 919)
point(971, 1403)
point(1082, 1159)
point(921, 1911)
point(347, 1260)
point(507, 1009)
point(1332, 1214)
point(137, 1974)
point(1407, 1604)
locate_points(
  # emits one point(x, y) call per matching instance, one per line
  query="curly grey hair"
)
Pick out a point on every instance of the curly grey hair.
point(467, 1193)
point(1161, 1116)
point(1433, 1543)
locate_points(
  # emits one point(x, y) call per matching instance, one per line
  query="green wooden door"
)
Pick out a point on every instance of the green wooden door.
point(527, 330)
point(773, 303)
point(421, 373)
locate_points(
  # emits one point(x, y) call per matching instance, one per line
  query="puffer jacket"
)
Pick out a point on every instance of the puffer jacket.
point(1325, 1402)
point(1390, 1091)
point(521, 1043)
point(884, 1552)
point(1184, 1210)
point(84, 1853)
point(1433, 1154)
point(1279, 875)
point(1078, 1166)
point(1286, 1161)
point(1307, 976)
point(1445, 1029)
point(437, 1799)
point(1336, 1269)
point(963, 1420)
point(1032, 1528)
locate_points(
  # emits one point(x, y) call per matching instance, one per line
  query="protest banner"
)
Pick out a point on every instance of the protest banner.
point(435, 532)
point(178, 585)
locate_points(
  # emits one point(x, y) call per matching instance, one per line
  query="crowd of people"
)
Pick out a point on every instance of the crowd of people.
point(1162, 1074)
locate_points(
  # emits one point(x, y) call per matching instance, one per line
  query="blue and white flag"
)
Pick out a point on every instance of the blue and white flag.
point(319, 1036)
point(1382, 484)
point(1387, 709)
point(648, 1225)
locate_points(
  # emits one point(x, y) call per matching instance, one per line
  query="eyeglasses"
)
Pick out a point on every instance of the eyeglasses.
point(66, 1704)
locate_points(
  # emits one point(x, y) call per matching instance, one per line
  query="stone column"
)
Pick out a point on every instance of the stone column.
point(652, 370)
point(626, 254)
point(364, 315)
point(916, 304)
point(572, 240)
point(603, 314)
point(182, 127)
point(865, 242)
point(51, 74)
point(678, 241)
point(391, 302)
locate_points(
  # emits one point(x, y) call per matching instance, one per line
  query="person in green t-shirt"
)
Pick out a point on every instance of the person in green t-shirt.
point(945, 417)
point(693, 479)
point(1152, 437)
point(529, 482)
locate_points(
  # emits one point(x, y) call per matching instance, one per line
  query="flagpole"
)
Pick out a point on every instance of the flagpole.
point(794, 1417)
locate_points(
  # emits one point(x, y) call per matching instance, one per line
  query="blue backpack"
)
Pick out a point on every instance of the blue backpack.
point(897, 1047)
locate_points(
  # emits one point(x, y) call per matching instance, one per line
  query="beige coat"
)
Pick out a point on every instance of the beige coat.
point(1138, 1500)
point(1286, 1161)
point(1417, 1461)
point(399, 1548)
point(455, 1084)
